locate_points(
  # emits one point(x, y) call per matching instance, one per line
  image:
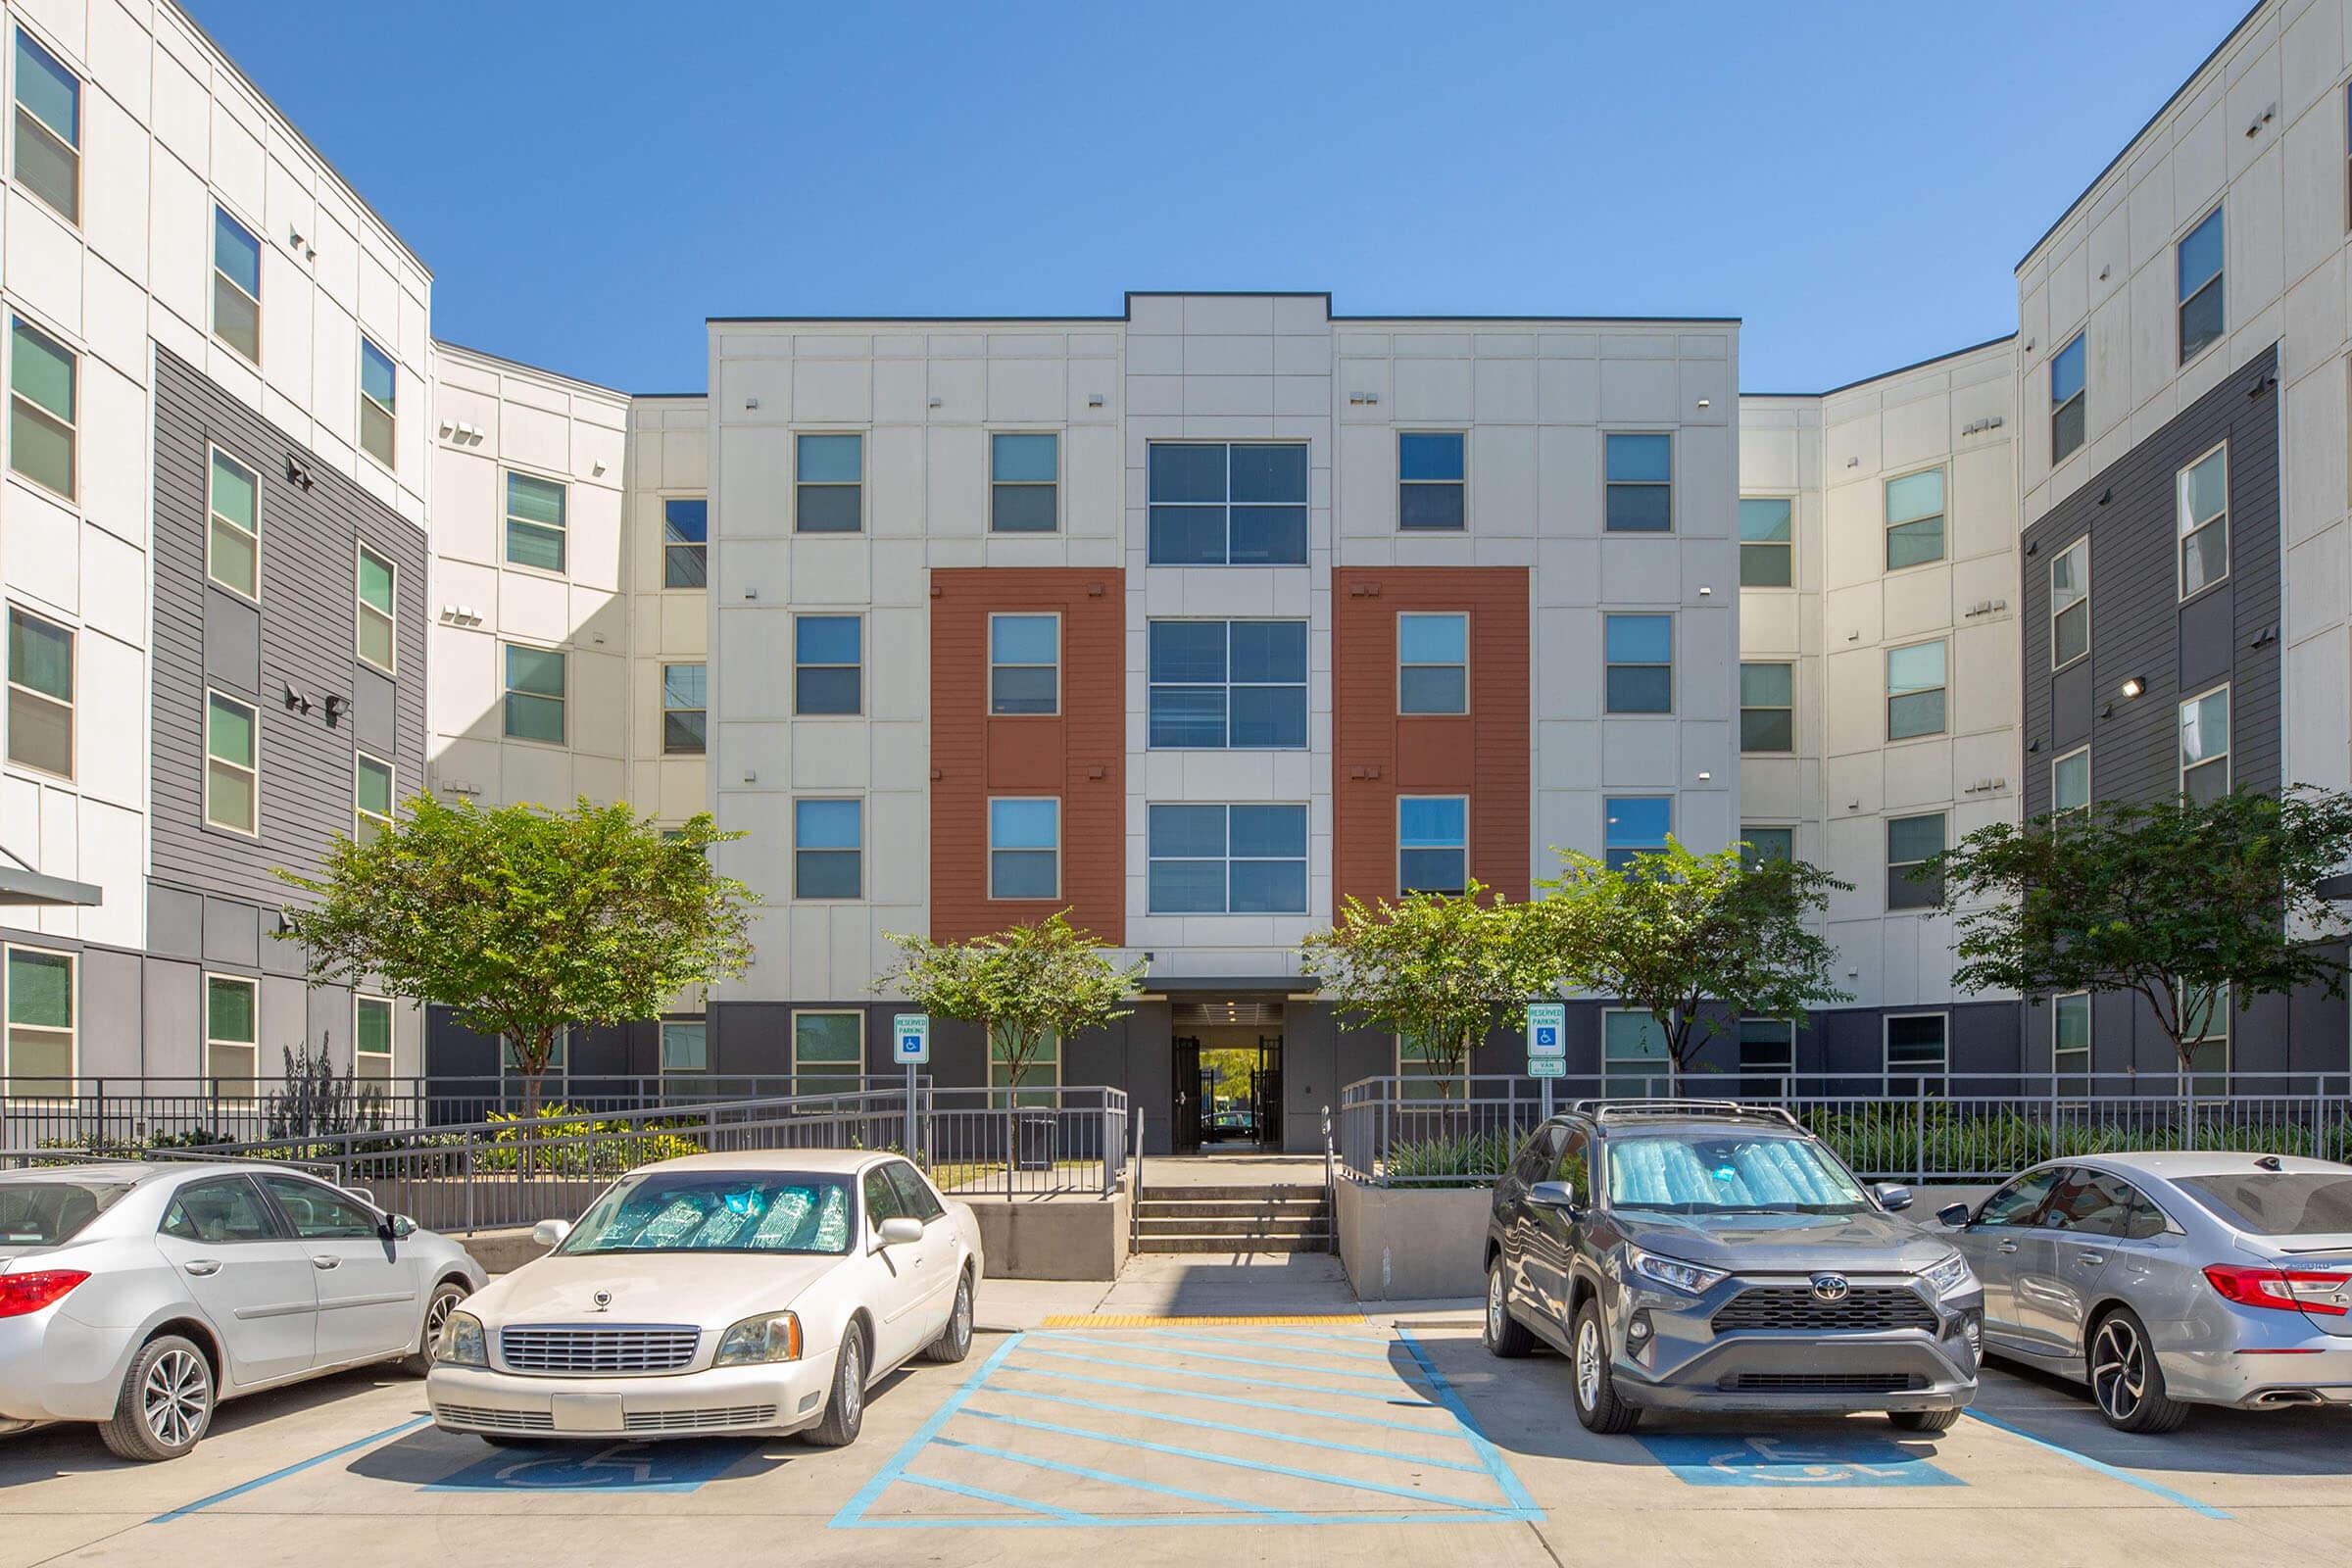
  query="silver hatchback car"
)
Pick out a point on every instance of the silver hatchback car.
point(2168, 1280)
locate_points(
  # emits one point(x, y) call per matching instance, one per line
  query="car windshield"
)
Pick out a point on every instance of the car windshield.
point(45, 1214)
point(717, 1211)
point(1704, 1173)
point(2294, 1203)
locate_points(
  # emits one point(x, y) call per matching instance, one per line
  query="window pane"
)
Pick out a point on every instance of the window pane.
point(40, 990)
point(228, 1010)
point(827, 824)
point(1023, 689)
point(43, 371)
point(1639, 639)
point(2066, 370)
point(2067, 428)
point(1429, 454)
point(1023, 873)
point(1269, 716)
point(1275, 473)
point(1187, 830)
point(2069, 634)
point(539, 670)
point(1433, 689)
point(1269, 887)
point(684, 686)
point(373, 1028)
point(233, 560)
point(1915, 544)
point(234, 493)
point(685, 567)
point(1272, 832)
point(1766, 729)
point(1641, 508)
point(40, 733)
point(375, 581)
point(1269, 536)
point(686, 520)
point(2204, 491)
point(683, 734)
point(1632, 1037)
point(1914, 838)
point(1919, 714)
point(2070, 1021)
point(827, 509)
point(1429, 506)
point(1187, 472)
point(1431, 871)
point(1433, 639)
point(1431, 822)
point(1641, 458)
point(685, 1048)
point(825, 875)
point(530, 545)
point(2205, 726)
point(831, 460)
point(836, 1039)
point(1764, 565)
point(1021, 509)
point(1764, 519)
point(1770, 843)
point(1914, 668)
point(2204, 558)
point(1641, 689)
point(1638, 821)
point(236, 253)
point(2201, 254)
point(377, 377)
point(1269, 651)
point(1025, 458)
point(1766, 685)
point(826, 639)
point(1188, 887)
point(40, 655)
point(1187, 536)
point(535, 718)
point(47, 167)
point(228, 733)
point(1914, 495)
point(2069, 782)
point(1188, 715)
point(2067, 574)
point(2201, 324)
point(46, 87)
point(237, 319)
point(1024, 824)
point(373, 791)
point(1024, 639)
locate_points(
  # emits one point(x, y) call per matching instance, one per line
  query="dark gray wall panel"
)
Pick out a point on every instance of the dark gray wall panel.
point(174, 922)
point(232, 934)
point(375, 715)
point(232, 642)
point(112, 1027)
point(175, 1010)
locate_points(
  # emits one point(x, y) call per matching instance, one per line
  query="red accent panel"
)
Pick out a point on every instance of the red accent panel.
point(1079, 755)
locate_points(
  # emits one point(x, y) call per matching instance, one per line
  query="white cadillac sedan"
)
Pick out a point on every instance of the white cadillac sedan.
point(139, 1296)
point(757, 1292)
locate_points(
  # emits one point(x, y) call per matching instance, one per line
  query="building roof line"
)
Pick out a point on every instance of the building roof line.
point(535, 369)
point(1915, 365)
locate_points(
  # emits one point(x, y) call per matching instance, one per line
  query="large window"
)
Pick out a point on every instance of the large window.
point(2205, 745)
point(1918, 1055)
point(231, 1041)
point(1024, 848)
point(39, 1044)
point(371, 795)
point(375, 598)
point(828, 1053)
point(1430, 1076)
point(686, 542)
point(40, 694)
point(685, 709)
point(828, 665)
point(2070, 781)
point(1227, 859)
point(48, 140)
point(2066, 400)
point(1915, 519)
point(2070, 604)
point(380, 405)
point(2202, 513)
point(1637, 824)
point(236, 286)
point(1911, 841)
point(1639, 652)
point(43, 408)
point(537, 693)
point(685, 1047)
point(1024, 664)
point(1767, 1050)
point(829, 484)
point(1767, 547)
point(1433, 664)
point(1228, 684)
point(2069, 1043)
point(371, 1039)
point(828, 849)
point(536, 531)
point(1634, 1058)
point(2205, 1037)
point(1430, 480)
point(1040, 1067)
point(1024, 474)
point(1915, 689)
point(2199, 260)
point(1228, 505)
point(1639, 483)
point(232, 767)
point(1767, 708)
point(1433, 843)
point(1768, 843)
point(233, 550)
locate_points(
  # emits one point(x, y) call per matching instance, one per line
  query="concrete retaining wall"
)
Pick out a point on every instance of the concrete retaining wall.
point(1053, 1238)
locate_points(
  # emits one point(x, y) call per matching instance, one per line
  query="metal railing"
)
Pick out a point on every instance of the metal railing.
point(486, 1174)
point(1959, 1127)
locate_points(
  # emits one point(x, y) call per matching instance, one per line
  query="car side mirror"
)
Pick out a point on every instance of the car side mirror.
point(550, 1233)
point(398, 1227)
point(1553, 1195)
point(899, 1230)
point(1956, 1215)
point(1893, 1198)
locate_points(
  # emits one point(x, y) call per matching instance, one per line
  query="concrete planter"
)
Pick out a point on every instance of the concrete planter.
point(1413, 1243)
point(1056, 1238)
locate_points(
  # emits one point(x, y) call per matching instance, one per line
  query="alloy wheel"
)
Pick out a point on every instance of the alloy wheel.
point(853, 1383)
point(175, 1396)
point(2119, 1369)
point(1494, 1307)
point(963, 1314)
point(436, 1318)
point(1588, 1363)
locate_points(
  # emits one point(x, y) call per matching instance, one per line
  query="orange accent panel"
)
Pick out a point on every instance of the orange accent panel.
point(1379, 753)
point(975, 754)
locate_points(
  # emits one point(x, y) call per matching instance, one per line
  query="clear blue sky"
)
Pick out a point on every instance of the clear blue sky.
point(588, 181)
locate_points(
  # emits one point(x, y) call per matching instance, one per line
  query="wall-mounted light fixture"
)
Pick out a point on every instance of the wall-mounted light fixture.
point(2132, 686)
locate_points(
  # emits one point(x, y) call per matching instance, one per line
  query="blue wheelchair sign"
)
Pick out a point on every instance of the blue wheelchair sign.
point(1832, 1459)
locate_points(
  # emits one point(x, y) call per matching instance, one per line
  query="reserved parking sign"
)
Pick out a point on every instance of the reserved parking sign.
point(910, 1038)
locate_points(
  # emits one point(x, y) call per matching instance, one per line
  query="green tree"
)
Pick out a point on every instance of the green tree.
point(1671, 931)
point(521, 920)
point(1438, 969)
point(2171, 901)
point(1024, 985)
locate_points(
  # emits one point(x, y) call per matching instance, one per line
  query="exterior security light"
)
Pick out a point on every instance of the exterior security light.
point(2132, 686)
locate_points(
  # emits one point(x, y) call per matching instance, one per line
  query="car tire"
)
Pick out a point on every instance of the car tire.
point(2126, 1381)
point(955, 1340)
point(1925, 1420)
point(844, 1406)
point(1591, 1385)
point(166, 1403)
point(437, 1307)
point(1504, 1335)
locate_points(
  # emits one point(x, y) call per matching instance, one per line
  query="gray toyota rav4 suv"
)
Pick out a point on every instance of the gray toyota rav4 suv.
point(1702, 1256)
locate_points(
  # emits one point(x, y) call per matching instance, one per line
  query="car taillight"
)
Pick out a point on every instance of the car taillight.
point(21, 1293)
point(2288, 1290)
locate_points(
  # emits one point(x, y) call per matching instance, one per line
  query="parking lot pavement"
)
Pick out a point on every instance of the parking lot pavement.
point(1311, 1440)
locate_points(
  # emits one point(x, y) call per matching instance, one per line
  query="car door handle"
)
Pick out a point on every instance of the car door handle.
point(327, 1260)
point(2008, 1247)
point(202, 1266)
point(2092, 1257)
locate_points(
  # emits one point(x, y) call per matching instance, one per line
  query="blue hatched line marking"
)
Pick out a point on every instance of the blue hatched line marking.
point(1390, 1376)
point(1294, 1472)
point(1240, 1431)
point(1111, 1478)
point(853, 1510)
point(1448, 1431)
point(983, 1495)
point(1398, 1399)
point(2102, 1467)
point(1496, 1466)
point(1391, 1379)
point(1334, 1339)
point(1300, 1350)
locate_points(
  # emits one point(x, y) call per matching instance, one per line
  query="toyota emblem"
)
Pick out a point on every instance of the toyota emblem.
point(1830, 1287)
point(604, 1299)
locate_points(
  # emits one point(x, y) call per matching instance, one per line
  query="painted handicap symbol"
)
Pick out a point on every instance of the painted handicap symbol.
point(630, 1466)
point(1791, 1462)
point(1833, 1458)
point(607, 1467)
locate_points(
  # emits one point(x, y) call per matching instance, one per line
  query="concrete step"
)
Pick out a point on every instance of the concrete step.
point(1227, 1243)
point(1219, 1208)
point(1254, 1195)
point(1188, 1225)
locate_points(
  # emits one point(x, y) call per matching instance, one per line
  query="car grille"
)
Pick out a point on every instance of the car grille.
point(715, 1420)
point(1822, 1383)
point(1866, 1309)
point(474, 1415)
point(618, 1351)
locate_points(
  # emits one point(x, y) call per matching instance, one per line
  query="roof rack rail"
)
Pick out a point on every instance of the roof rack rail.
point(1604, 1109)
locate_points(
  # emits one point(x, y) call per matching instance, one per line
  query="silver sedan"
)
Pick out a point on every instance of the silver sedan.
point(2168, 1280)
point(138, 1296)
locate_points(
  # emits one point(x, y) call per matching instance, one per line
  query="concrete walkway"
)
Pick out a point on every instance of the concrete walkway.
point(1164, 1171)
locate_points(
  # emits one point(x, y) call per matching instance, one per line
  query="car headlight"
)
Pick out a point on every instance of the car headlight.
point(1948, 1275)
point(1673, 1273)
point(462, 1342)
point(769, 1337)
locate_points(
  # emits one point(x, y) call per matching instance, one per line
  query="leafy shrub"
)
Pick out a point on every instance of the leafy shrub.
point(1451, 1159)
point(582, 1148)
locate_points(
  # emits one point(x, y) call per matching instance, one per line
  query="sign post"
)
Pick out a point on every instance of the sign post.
point(910, 1043)
point(1546, 1046)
